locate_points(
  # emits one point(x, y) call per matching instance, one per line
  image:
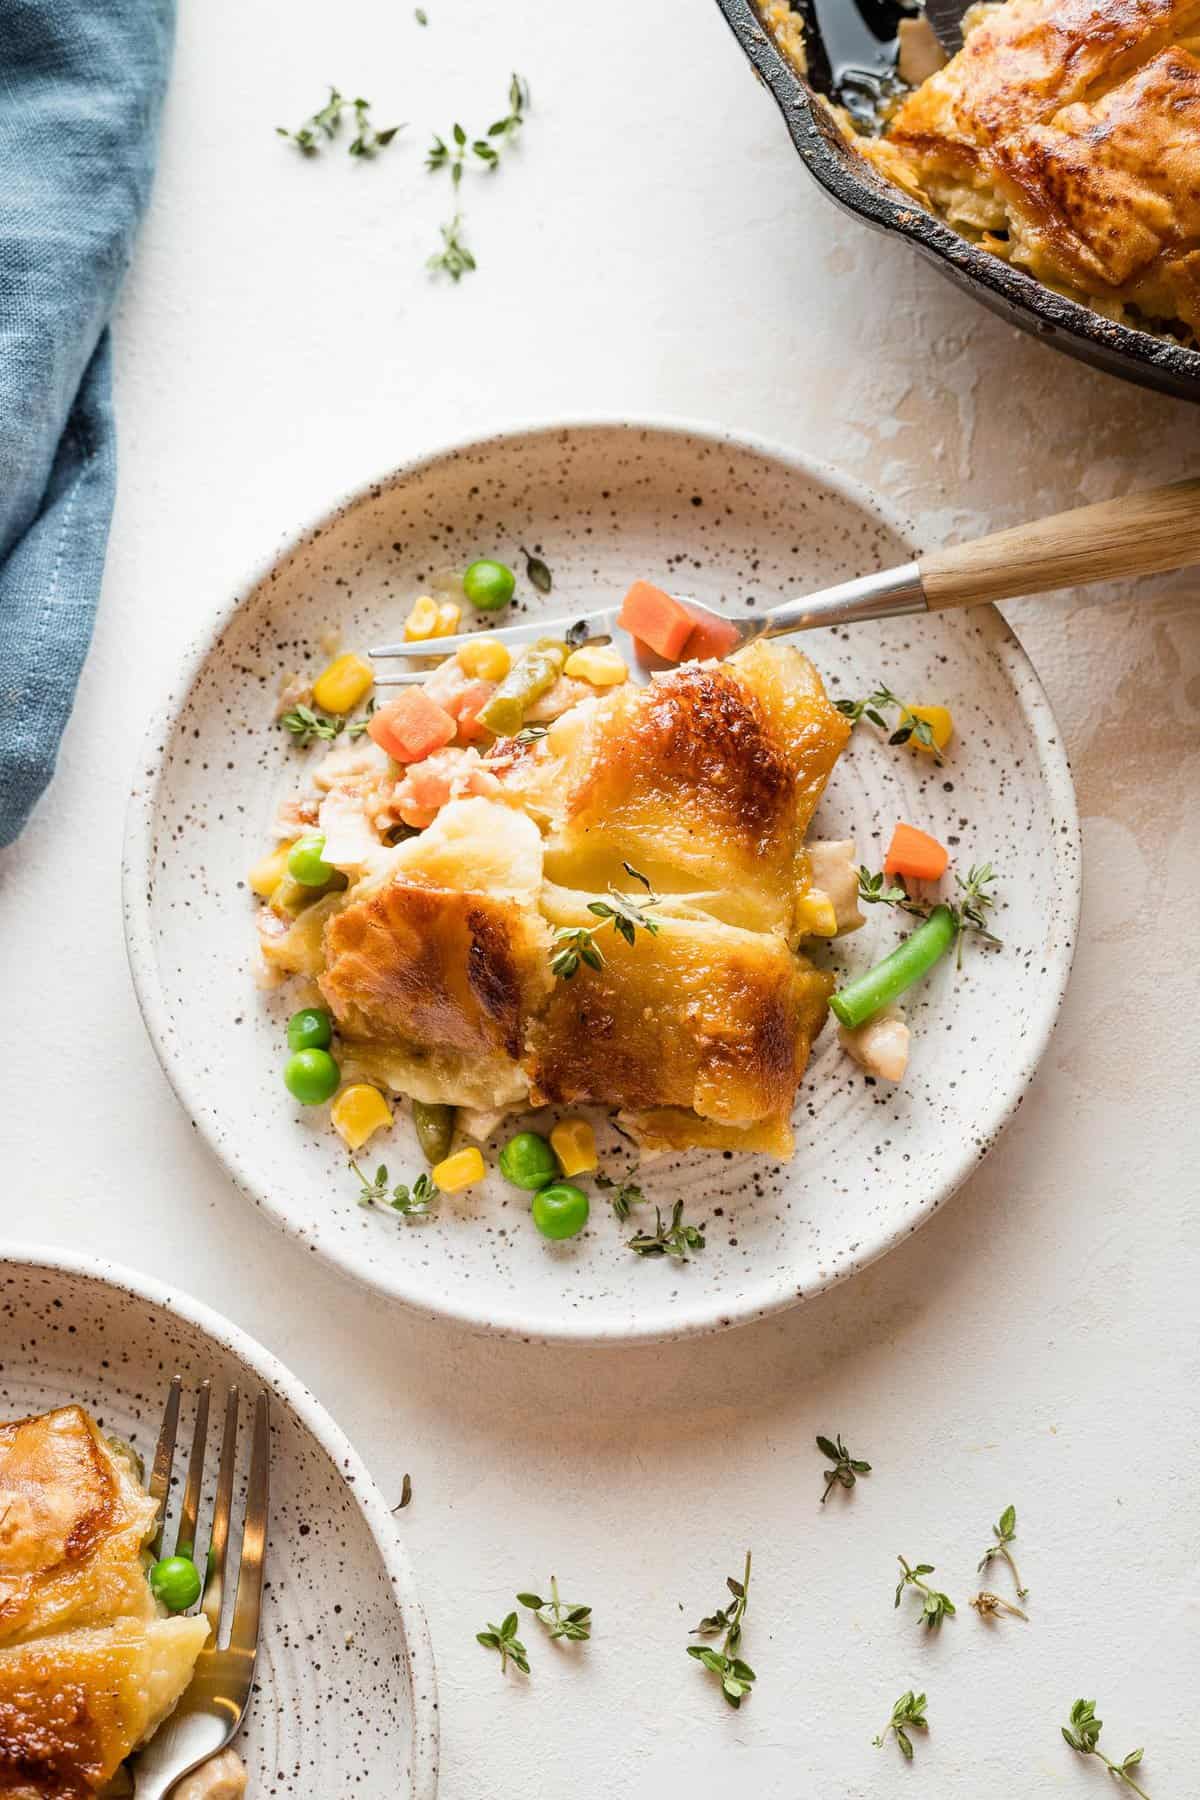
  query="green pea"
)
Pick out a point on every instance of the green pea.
point(489, 585)
point(309, 1029)
point(176, 1583)
point(528, 1161)
point(311, 1076)
point(306, 863)
point(561, 1210)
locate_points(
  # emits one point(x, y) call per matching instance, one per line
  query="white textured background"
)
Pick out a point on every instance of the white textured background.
point(655, 247)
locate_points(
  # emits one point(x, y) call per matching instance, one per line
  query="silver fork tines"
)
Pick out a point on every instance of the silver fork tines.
point(211, 1709)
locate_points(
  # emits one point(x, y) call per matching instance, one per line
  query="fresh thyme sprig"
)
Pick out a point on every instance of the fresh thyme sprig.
point(736, 1676)
point(675, 1240)
point(846, 1468)
point(908, 1714)
point(454, 258)
point(970, 910)
point(503, 1637)
point(988, 1605)
point(415, 1202)
point(328, 122)
point(560, 1617)
point(908, 724)
point(577, 943)
point(305, 724)
point(1083, 1734)
point(1005, 1534)
point(936, 1606)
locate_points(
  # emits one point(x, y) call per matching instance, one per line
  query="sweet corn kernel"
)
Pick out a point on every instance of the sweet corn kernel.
point(574, 1143)
point(358, 1112)
point(815, 915)
point(485, 659)
point(458, 1171)
point(940, 724)
point(267, 873)
point(421, 622)
point(449, 613)
point(598, 663)
point(346, 682)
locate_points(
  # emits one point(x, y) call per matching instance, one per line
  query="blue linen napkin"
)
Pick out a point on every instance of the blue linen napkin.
point(81, 87)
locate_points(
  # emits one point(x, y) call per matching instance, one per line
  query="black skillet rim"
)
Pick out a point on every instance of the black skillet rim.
point(851, 181)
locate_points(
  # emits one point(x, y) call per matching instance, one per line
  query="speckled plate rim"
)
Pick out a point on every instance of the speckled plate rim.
point(345, 1460)
point(777, 1291)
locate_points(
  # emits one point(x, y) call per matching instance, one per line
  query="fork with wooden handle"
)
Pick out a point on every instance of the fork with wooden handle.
point(1138, 534)
point(211, 1708)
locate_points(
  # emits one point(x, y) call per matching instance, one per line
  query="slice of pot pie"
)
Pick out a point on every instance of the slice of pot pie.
point(90, 1665)
point(451, 964)
point(1065, 137)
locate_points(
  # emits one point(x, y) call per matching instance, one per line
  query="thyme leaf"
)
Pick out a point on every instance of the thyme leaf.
point(736, 1676)
point(537, 573)
point(562, 1618)
point(882, 701)
point(673, 1240)
point(415, 1202)
point(503, 1637)
point(1005, 1533)
point(1083, 1735)
point(576, 944)
point(936, 1606)
point(908, 1714)
point(454, 258)
point(846, 1469)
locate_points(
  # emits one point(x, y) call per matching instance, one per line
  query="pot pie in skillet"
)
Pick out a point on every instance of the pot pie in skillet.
point(1065, 137)
point(435, 956)
point(90, 1664)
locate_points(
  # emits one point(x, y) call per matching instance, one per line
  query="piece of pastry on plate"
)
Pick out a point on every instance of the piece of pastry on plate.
point(691, 796)
point(90, 1665)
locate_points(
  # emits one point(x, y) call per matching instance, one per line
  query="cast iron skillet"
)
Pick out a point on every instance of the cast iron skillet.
point(855, 184)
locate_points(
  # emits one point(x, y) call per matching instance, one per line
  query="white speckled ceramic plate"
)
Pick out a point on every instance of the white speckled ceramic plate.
point(734, 522)
point(345, 1695)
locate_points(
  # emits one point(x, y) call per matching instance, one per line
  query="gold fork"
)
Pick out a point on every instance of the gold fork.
point(214, 1704)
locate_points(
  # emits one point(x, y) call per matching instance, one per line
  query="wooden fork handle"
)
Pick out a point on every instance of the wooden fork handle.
point(1139, 534)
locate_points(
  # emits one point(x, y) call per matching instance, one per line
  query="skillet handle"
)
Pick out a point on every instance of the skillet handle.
point(1138, 534)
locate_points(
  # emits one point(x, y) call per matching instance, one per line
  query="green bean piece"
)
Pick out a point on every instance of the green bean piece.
point(435, 1130)
point(869, 994)
point(526, 681)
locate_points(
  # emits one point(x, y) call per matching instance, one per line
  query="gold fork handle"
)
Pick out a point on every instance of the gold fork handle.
point(1138, 534)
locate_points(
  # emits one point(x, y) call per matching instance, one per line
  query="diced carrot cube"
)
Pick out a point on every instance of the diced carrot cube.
point(916, 854)
point(711, 637)
point(656, 620)
point(411, 726)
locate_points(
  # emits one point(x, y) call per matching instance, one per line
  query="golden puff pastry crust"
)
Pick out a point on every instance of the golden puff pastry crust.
point(1065, 136)
point(88, 1666)
point(437, 966)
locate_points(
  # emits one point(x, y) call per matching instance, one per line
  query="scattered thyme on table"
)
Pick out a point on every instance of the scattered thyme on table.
point(325, 125)
point(1005, 1533)
point(1083, 1734)
point(908, 1714)
point(736, 1676)
point(846, 1468)
point(537, 573)
point(562, 1618)
point(935, 1606)
point(454, 258)
point(503, 1637)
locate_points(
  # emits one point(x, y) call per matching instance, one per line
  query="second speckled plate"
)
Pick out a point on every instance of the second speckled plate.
point(735, 522)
